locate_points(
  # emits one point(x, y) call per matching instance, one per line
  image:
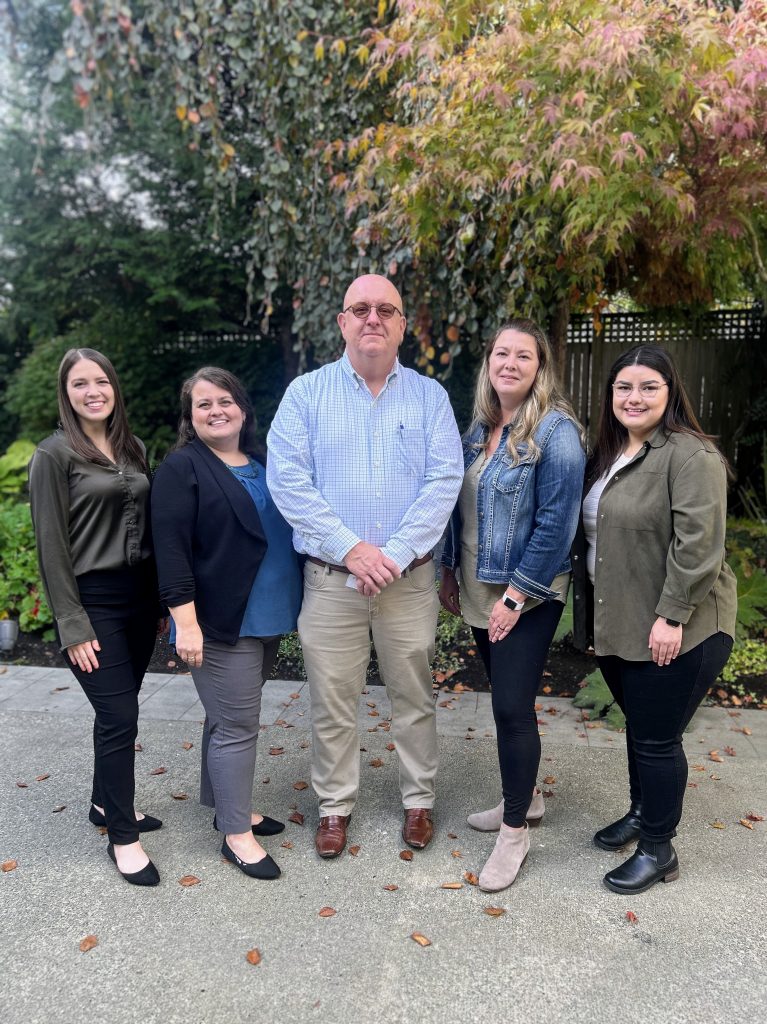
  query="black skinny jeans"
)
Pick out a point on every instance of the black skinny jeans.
point(515, 667)
point(122, 607)
point(658, 702)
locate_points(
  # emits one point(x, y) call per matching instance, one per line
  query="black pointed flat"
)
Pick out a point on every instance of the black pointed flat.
point(148, 875)
point(264, 869)
point(146, 824)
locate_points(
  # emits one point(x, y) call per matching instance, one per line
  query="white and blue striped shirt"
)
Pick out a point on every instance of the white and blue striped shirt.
point(345, 466)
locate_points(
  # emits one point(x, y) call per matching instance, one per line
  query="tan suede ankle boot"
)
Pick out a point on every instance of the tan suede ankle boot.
point(503, 864)
point(491, 821)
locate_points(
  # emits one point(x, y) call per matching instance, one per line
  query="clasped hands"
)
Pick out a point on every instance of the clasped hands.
point(372, 568)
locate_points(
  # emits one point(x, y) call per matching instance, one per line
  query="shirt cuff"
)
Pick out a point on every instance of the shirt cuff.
point(74, 629)
point(527, 586)
point(338, 546)
point(399, 553)
point(668, 608)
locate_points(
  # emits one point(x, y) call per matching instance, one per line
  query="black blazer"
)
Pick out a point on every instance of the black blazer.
point(208, 538)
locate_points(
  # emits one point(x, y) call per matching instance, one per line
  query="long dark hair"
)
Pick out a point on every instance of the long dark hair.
point(227, 382)
point(678, 418)
point(125, 446)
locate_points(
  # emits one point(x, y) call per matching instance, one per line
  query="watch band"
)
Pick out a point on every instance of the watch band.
point(673, 622)
point(510, 602)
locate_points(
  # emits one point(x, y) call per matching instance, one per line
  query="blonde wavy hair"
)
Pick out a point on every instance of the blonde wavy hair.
point(545, 396)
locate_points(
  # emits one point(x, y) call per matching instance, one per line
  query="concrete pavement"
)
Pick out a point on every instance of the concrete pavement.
point(563, 950)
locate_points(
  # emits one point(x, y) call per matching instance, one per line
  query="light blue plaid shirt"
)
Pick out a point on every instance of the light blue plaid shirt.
point(344, 466)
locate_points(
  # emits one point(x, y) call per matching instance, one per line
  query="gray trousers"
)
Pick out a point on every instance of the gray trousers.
point(229, 684)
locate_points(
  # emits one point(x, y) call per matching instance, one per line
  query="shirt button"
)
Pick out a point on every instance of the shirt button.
point(378, 526)
point(599, 601)
point(599, 559)
point(617, 477)
point(575, 558)
point(602, 516)
point(378, 494)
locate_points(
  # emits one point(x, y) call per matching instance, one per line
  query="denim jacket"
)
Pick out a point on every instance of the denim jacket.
point(528, 513)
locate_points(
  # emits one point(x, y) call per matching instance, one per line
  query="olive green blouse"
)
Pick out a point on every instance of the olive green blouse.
point(86, 517)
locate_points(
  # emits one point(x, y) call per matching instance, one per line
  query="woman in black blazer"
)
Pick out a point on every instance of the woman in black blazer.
point(230, 576)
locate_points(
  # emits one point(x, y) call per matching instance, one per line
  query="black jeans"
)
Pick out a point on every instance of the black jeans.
point(123, 609)
point(514, 667)
point(658, 702)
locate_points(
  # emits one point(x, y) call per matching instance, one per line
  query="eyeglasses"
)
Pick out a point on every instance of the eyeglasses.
point(648, 390)
point(361, 310)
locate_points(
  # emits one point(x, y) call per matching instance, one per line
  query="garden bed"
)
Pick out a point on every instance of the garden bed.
point(458, 667)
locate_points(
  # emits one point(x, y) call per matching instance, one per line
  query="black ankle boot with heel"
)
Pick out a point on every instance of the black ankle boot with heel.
point(651, 862)
point(622, 832)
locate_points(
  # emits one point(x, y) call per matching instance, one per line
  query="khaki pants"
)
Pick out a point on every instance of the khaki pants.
point(335, 627)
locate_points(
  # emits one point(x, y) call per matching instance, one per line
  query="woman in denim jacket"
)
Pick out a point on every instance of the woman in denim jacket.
point(509, 537)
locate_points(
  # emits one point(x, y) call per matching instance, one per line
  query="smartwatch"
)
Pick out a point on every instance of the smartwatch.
point(515, 606)
point(673, 622)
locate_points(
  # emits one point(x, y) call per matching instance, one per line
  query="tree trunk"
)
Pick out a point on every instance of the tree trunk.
point(289, 355)
point(558, 334)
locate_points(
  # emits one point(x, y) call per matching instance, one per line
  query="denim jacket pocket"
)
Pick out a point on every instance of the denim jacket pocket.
point(509, 477)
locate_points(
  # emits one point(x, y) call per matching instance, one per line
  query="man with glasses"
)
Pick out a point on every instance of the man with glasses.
point(365, 463)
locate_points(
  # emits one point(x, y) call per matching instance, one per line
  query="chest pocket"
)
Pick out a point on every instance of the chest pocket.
point(412, 450)
point(508, 477)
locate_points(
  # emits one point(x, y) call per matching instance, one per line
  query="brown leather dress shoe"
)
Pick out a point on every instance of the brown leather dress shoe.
point(418, 828)
point(330, 839)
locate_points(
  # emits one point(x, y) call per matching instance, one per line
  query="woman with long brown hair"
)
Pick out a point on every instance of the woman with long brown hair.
point(89, 491)
point(654, 593)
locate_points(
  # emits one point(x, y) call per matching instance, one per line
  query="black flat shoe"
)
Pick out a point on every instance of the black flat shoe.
point(263, 869)
point(622, 832)
point(640, 873)
point(146, 824)
point(146, 876)
point(266, 827)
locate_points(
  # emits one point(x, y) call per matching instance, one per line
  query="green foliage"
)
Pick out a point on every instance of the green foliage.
point(747, 554)
point(453, 641)
point(596, 696)
point(13, 468)
point(21, 591)
point(748, 658)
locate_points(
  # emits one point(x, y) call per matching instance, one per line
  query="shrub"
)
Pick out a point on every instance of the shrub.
point(21, 591)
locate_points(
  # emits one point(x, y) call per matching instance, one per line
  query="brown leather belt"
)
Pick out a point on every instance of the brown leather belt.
point(342, 568)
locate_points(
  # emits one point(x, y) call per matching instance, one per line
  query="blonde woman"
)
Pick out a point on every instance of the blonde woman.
point(509, 541)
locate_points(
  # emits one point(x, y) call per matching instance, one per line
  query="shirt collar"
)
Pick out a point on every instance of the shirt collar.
point(359, 380)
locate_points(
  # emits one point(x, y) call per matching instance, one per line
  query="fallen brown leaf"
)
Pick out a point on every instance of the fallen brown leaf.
point(452, 835)
point(735, 700)
point(406, 855)
point(188, 880)
point(137, 747)
point(716, 778)
point(22, 785)
point(376, 762)
point(631, 917)
point(297, 818)
point(745, 730)
point(471, 878)
point(446, 704)
point(493, 911)
point(294, 696)
point(391, 888)
point(276, 751)
point(546, 689)
point(253, 956)
point(717, 824)
point(420, 939)
point(746, 823)
point(287, 845)
point(42, 778)
point(327, 912)
point(390, 747)
point(186, 745)
point(9, 865)
point(547, 793)
point(730, 751)
point(300, 785)
point(370, 703)
point(549, 780)
point(373, 714)
point(88, 943)
point(354, 850)
point(698, 768)
point(456, 853)
point(754, 817)
point(59, 809)
point(58, 689)
point(266, 780)
point(452, 885)
point(537, 707)
point(714, 755)
point(179, 796)
point(158, 771)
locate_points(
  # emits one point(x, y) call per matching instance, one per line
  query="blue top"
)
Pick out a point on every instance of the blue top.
point(345, 466)
point(275, 597)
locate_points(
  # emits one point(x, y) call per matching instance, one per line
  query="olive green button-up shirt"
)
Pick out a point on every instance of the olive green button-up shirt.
point(660, 549)
point(86, 517)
